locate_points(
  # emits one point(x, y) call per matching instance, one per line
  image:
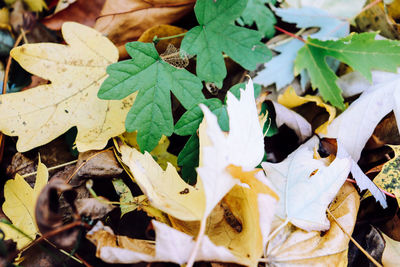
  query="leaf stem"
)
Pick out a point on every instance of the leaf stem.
point(383, 191)
point(280, 227)
point(290, 34)
point(354, 241)
point(156, 39)
point(199, 238)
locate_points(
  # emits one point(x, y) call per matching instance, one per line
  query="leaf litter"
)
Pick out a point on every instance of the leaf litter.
point(169, 171)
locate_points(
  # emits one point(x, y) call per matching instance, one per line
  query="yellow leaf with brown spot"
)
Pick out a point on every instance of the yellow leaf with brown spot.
point(76, 71)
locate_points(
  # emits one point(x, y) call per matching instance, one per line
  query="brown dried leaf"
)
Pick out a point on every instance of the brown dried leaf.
point(48, 216)
point(93, 208)
point(98, 164)
point(125, 20)
point(79, 11)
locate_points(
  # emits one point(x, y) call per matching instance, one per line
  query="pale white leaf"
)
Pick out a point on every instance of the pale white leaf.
point(293, 120)
point(306, 187)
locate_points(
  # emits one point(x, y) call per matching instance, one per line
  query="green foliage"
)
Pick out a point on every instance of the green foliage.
point(190, 121)
point(216, 34)
point(147, 73)
point(360, 51)
point(256, 12)
point(188, 158)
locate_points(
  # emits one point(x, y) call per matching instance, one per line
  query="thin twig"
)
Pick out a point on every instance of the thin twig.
point(290, 34)
point(52, 168)
point(383, 191)
point(354, 241)
point(84, 163)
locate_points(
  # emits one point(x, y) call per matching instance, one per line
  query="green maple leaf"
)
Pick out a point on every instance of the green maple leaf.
point(360, 51)
point(257, 12)
point(216, 34)
point(151, 114)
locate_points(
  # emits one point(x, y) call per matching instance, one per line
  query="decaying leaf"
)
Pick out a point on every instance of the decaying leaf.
point(291, 100)
point(306, 187)
point(388, 178)
point(98, 164)
point(78, 11)
point(295, 247)
point(48, 214)
point(95, 208)
point(128, 201)
point(76, 72)
point(125, 20)
point(19, 206)
point(378, 18)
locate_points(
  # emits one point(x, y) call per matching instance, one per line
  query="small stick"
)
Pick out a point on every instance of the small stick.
point(354, 241)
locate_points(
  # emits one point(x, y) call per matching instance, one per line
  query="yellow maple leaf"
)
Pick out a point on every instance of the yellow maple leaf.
point(19, 206)
point(291, 100)
point(76, 72)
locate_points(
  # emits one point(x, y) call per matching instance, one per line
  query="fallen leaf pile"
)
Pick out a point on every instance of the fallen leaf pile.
point(215, 133)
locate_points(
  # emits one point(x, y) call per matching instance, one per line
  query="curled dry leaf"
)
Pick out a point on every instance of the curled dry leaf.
point(48, 216)
point(77, 70)
point(98, 164)
point(295, 247)
point(125, 20)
